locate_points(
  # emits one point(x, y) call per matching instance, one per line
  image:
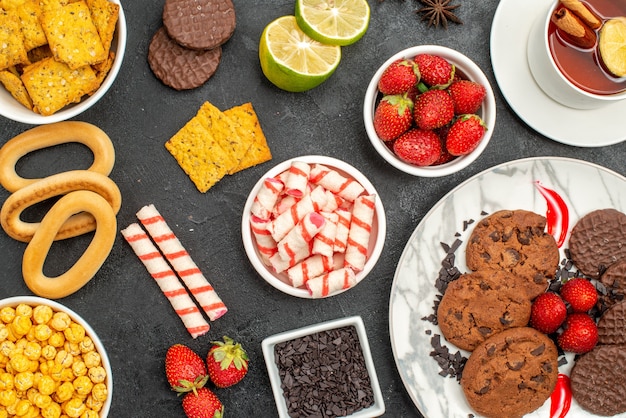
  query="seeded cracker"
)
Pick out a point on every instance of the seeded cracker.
point(53, 85)
point(14, 85)
point(104, 15)
point(250, 131)
point(72, 35)
point(224, 132)
point(29, 14)
point(199, 154)
point(12, 50)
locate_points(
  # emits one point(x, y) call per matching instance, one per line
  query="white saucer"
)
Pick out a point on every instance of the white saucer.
point(582, 128)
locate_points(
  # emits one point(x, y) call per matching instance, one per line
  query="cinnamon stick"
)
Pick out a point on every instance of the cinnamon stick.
point(572, 29)
point(583, 12)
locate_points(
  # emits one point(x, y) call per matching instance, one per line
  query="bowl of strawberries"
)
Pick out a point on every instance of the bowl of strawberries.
point(429, 111)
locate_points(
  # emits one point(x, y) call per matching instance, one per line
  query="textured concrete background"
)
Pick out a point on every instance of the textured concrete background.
point(122, 303)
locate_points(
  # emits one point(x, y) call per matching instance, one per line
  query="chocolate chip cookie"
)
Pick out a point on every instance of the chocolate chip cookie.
point(516, 241)
point(511, 373)
point(480, 304)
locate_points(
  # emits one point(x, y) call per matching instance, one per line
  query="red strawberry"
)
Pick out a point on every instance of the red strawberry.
point(580, 293)
point(203, 404)
point(227, 362)
point(393, 117)
point(465, 134)
point(185, 370)
point(435, 71)
point(433, 109)
point(467, 96)
point(580, 333)
point(418, 146)
point(547, 313)
point(399, 77)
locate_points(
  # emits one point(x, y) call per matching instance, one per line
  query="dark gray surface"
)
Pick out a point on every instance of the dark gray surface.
point(122, 303)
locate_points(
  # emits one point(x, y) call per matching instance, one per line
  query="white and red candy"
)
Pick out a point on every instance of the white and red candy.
point(319, 230)
point(166, 279)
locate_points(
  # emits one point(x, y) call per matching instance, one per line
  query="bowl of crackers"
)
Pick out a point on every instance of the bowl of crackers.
point(60, 59)
point(313, 226)
point(55, 336)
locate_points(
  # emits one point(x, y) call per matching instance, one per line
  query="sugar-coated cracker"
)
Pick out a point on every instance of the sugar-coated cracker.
point(105, 15)
point(199, 155)
point(72, 35)
point(29, 14)
point(12, 49)
point(52, 85)
point(224, 132)
point(250, 131)
point(14, 85)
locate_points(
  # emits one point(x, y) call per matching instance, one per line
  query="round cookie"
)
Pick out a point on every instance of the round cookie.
point(199, 24)
point(614, 282)
point(612, 325)
point(511, 373)
point(480, 304)
point(516, 241)
point(178, 67)
point(597, 380)
point(598, 240)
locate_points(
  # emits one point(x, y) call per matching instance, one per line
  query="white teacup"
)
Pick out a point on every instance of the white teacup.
point(550, 78)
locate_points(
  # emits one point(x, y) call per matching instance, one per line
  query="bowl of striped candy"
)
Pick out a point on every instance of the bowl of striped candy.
point(313, 226)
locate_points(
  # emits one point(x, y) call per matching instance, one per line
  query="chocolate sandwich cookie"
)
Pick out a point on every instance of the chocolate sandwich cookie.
point(516, 241)
point(511, 373)
point(480, 304)
point(612, 325)
point(598, 240)
point(613, 282)
point(597, 380)
point(199, 24)
point(178, 67)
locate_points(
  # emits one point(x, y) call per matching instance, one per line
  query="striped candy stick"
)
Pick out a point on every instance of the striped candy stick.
point(166, 279)
point(301, 236)
point(266, 198)
point(343, 229)
point(331, 282)
point(324, 241)
point(264, 241)
point(182, 262)
point(330, 179)
point(360, 231)
point(310, 267)
point(298, 179)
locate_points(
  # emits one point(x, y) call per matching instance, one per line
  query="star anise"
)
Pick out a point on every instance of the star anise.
point(439, 12)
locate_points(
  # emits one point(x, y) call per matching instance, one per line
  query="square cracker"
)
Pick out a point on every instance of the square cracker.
point(29, 14)
point(52, 85)
point(224, 131)
point(104, 14)
point(199, 155)
point(12, 49)
point(250, 131)
point(14, 85)
point(72, 35)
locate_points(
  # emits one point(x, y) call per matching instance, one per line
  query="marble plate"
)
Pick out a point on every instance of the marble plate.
point(513, 185)
point(582, 128)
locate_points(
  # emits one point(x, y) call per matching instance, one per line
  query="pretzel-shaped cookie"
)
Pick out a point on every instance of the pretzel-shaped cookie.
point(45, 136)
point(56, 185)
point(92, 259)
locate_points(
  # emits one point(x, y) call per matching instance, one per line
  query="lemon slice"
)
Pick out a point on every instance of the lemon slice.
point(612, 44)
point(293, 61)
point(333, 22)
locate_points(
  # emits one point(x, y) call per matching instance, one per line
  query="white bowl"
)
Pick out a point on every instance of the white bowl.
point(268, 344)
point(548, 75)
point(57, 307)
point(281, 281)
point(487, 111)
point(11, 109)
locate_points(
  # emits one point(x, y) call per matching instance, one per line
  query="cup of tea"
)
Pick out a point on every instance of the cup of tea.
point(564, 54)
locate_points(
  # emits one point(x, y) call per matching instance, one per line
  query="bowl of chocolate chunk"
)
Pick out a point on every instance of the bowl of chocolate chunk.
point(339, 379)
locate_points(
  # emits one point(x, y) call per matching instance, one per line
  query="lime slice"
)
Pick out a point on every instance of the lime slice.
point(333, 22)
point(612, 44)
point(291, 60)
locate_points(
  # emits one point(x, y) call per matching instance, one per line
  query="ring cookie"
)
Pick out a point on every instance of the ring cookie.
point(480, 304)
point(178, 67)
point(598, 240)
point(199, 24)
point(516, 241)
point(511, 373)
point(597, 380)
